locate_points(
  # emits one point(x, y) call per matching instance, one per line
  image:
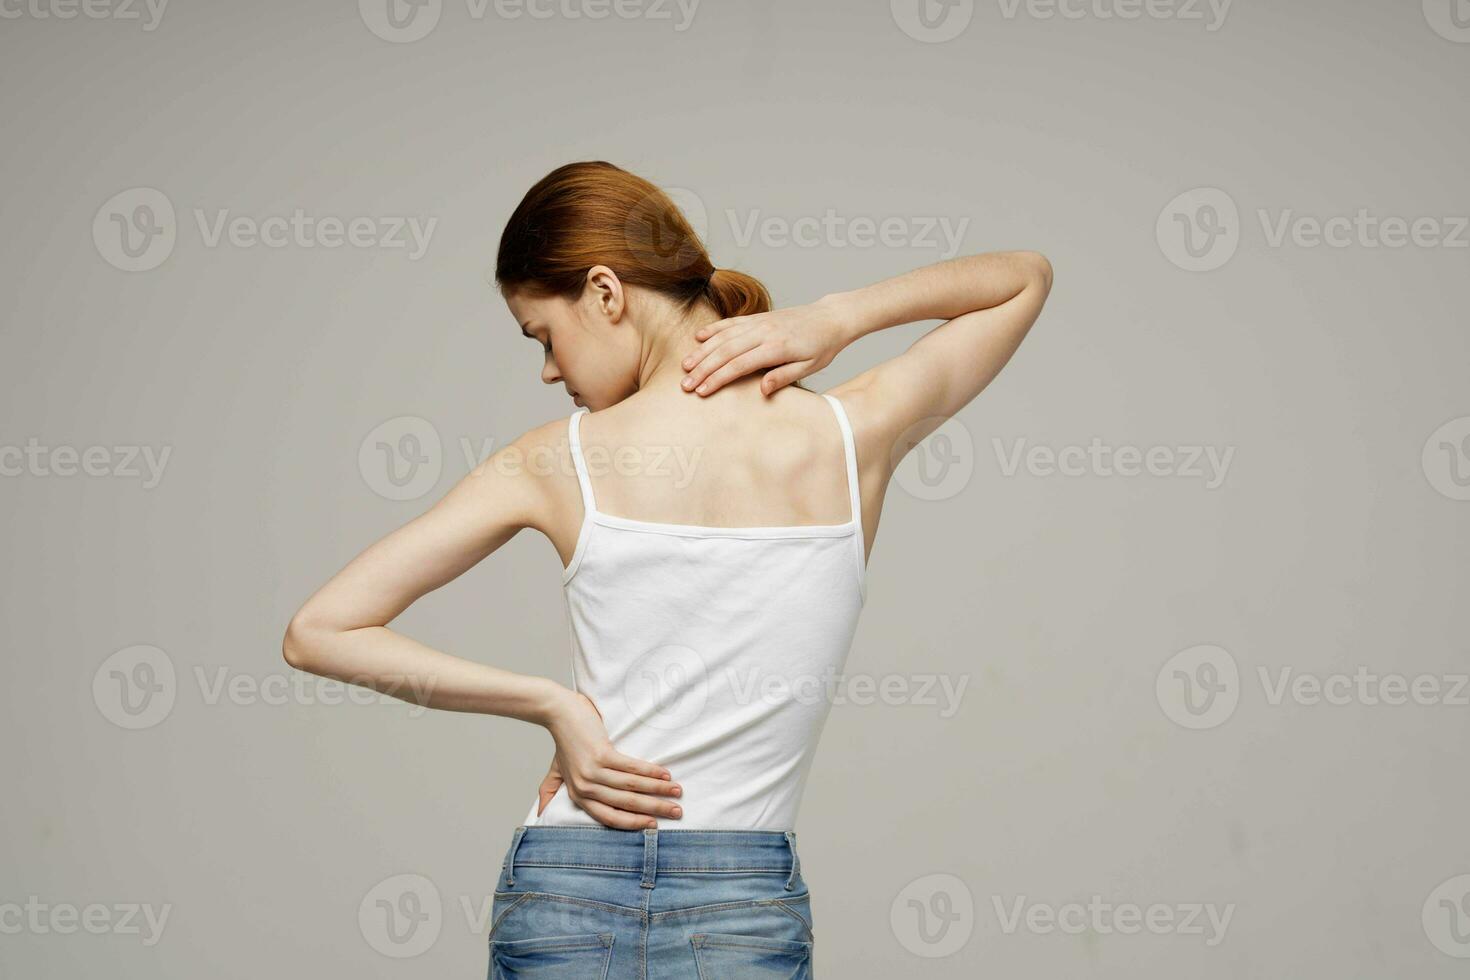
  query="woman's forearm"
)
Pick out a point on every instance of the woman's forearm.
point(379, 658)
point(940, 291)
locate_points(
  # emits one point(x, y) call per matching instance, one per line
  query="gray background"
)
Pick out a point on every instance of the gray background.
point(266, 824)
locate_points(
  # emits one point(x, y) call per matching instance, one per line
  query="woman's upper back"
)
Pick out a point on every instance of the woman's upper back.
point(713, 476)
point(720, 461)
point(785, 462)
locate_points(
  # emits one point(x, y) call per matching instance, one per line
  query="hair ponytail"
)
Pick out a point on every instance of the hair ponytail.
point(734, 293)
point(593, 213)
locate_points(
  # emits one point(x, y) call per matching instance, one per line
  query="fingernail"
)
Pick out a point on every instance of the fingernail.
point(688, 383)
point(678, 811)
point(677, 791)
point(702, 389)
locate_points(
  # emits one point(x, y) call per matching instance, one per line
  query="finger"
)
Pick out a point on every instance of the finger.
point(617, 760)
point(778, 378)
point(739, 367)
point(639, 784)
point(710, 329)
point(633, 802)
point(613, 817)
point(718, 359)
point(733, 342)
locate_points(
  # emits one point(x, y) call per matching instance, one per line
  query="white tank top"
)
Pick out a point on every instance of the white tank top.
point(713, 651)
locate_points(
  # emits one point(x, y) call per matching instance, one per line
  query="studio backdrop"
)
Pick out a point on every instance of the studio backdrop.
point(1163, 670)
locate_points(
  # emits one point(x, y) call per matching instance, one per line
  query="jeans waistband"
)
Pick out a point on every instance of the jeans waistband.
point(653, 851)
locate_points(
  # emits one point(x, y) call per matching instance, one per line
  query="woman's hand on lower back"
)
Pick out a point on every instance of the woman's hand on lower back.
point(788, 344)
point(615, 789)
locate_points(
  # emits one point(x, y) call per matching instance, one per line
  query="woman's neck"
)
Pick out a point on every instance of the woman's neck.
point(667, 342)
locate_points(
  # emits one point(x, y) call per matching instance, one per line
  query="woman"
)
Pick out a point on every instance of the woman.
point(714, 521)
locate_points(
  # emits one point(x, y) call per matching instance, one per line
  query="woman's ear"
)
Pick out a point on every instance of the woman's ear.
point(606, 291)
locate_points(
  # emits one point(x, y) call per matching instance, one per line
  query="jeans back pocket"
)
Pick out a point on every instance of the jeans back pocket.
point(727, 956)
point(552, 957)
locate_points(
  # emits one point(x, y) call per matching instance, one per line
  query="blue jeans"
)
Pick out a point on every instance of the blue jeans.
point(594, 903)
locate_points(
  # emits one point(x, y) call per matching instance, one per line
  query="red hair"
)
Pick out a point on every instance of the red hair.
point(593, 213)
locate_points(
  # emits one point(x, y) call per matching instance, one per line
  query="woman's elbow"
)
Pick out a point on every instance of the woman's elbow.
point(1040, 267)
point(297, 646)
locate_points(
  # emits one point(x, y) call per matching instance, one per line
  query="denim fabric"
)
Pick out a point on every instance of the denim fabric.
point(594, 903)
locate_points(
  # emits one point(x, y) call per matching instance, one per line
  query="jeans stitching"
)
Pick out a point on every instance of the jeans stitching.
point(520, 899)
point(599, 940)
point(703, 939)
point(785, 906)
point(753, 903)
point(569, 900)
point(604, 940)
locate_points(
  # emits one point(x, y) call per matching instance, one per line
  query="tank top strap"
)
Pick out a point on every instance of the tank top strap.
point(849, 450)
point(574, 438)
point(854, 491)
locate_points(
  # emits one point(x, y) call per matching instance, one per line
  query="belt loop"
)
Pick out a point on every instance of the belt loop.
point(650, 856)
point(795, 860)
point(510, 857)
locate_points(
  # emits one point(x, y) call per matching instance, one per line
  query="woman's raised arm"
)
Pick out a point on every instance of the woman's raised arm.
point(988, 301)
